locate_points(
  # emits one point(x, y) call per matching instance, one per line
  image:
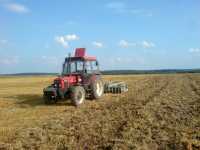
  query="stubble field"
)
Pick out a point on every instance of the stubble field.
point(158, 112)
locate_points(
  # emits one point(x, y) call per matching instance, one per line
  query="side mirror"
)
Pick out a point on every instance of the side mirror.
point(97, 64)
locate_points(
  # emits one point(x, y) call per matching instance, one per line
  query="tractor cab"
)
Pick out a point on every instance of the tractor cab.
point(80, 64)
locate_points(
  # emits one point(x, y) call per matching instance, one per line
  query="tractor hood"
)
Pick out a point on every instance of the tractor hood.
point(67, 80)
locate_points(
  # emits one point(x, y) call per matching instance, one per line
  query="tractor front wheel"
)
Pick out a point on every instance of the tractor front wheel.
point(77, 95)
point(48, 100)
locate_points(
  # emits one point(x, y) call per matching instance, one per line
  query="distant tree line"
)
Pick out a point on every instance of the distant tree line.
point(118, 72)
point(163, 71)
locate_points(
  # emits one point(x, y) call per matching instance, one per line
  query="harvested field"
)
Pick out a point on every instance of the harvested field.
point(158, 112)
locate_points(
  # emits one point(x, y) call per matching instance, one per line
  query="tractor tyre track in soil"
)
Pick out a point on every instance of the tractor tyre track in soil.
point(120, 136)
point(159, 112)
point(194, 85)
point(179, 116)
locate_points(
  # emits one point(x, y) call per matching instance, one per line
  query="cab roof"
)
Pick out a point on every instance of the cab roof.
point(80, 58)
point(80, 54)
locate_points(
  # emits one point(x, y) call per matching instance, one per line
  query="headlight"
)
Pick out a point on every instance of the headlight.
point(79, 79)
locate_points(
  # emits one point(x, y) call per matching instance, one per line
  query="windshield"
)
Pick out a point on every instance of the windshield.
point(73, 67)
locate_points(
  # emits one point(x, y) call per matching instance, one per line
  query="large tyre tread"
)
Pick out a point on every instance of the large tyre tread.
point(94, 93)
point(75, 95)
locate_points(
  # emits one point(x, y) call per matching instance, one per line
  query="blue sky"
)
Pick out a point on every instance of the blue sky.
point(35, 36)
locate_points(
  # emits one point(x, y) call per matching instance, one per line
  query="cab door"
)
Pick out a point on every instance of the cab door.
point(91, 71)
point(88, 73)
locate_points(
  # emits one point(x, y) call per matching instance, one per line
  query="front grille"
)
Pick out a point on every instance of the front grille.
point(49, 93)
point(56, 83)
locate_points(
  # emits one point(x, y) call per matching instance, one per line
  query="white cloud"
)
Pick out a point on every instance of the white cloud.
point(126, 44)
point(126, 60)
point(70, 22)
point(61, 40)
point(3, 41)
point(116, 5)
point(143, 44)
point(194, 50)
point(97, 44)
point(146, 44)
point(141, 12)
point(9, 60)
point(64, 40)
point(123, 43)
point(18, 8)
point(123, 8)
point(71, 37)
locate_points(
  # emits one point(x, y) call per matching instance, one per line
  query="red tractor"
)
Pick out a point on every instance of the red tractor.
point(80, 78)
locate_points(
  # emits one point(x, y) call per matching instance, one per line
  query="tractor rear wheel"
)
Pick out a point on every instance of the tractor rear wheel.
point(97, 89)
point(77, 95)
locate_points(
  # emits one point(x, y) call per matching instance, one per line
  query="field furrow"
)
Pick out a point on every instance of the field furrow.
point(158, 112)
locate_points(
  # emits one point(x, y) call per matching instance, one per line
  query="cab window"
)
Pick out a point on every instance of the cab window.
point(88, 67)
point(79, 66)
point(94, 65)
point(91, 66)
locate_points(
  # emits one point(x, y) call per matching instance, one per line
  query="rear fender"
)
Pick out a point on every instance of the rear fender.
point(89, 79)
point(94, 78)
